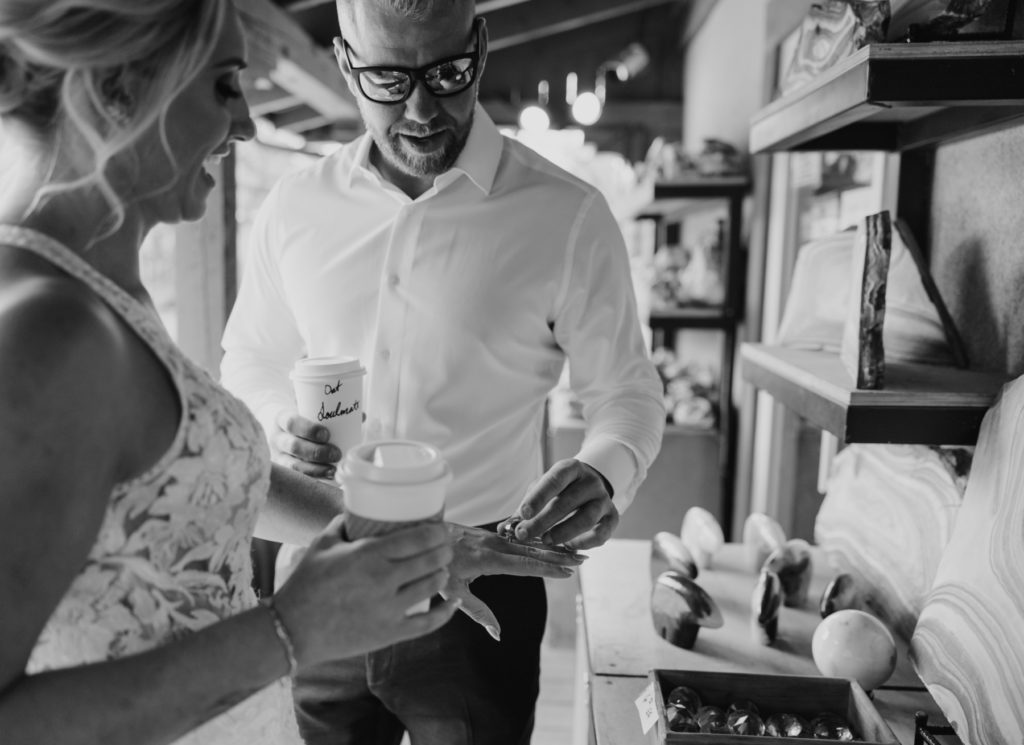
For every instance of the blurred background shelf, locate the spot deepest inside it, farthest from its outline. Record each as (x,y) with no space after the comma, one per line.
(920,404)
(701,187)
(897,97)
(693,317)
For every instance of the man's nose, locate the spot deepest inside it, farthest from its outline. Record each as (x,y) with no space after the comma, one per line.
(422,105)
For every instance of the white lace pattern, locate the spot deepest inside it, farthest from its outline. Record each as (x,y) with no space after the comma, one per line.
(172,554)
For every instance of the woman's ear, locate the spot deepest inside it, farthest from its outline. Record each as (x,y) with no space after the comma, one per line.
(118,101)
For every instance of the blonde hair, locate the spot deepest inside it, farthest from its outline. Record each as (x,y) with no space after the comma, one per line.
(106,70)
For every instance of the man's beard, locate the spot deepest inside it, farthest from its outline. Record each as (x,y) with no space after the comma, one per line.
(426,165)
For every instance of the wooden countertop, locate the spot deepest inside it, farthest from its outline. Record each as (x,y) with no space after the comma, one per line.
(622,646)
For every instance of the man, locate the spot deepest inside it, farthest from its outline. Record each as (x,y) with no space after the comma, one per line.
(462,269)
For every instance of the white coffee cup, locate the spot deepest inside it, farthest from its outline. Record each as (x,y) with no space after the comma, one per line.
(329,391)
(390,484)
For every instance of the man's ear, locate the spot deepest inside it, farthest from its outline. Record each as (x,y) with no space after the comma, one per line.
(346,69)
(483,46)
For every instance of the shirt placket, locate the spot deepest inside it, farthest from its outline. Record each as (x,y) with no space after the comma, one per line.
(389,345)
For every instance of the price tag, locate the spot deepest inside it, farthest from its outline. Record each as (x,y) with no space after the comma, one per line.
(648,711)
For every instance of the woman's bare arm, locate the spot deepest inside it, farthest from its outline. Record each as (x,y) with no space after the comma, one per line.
(69,433)
(298,507)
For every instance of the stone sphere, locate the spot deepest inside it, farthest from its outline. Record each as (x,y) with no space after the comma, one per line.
(854,645)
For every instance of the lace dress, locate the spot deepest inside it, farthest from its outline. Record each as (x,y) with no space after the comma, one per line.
(172,553)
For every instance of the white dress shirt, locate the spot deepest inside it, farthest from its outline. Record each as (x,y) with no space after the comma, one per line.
(463,304)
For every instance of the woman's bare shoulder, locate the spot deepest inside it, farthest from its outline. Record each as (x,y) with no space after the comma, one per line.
(61,348)
(49,319)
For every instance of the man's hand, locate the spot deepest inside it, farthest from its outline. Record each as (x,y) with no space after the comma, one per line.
(479,552)
(571,505)
(304,446)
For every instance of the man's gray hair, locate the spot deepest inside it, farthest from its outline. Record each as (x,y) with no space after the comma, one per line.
(414,10)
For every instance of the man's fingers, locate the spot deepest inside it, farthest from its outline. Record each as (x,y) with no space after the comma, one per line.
(314,452)
(580,521)
(313,470)
(557,478)
(561,504)
(598,535)
(305,439)
(291,421)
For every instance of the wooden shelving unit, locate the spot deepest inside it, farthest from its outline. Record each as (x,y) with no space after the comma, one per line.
(679,200)
(922,404)
(897,97)
(907,98)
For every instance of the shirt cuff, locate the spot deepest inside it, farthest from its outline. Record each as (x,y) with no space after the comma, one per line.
(615,462)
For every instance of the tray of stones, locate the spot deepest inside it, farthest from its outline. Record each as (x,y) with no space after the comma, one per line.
(716,708)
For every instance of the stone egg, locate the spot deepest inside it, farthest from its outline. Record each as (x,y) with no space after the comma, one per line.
(854,645)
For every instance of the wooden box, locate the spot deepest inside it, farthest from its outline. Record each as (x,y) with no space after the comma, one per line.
(805,696)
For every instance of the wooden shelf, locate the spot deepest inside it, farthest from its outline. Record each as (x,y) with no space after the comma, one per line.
(702,187)
(682,197)
(922,404)
(897,97)
(692,317)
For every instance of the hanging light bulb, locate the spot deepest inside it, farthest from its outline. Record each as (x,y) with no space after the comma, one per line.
(587,108)
(630,62)
(535,117)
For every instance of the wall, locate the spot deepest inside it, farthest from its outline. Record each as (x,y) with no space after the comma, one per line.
(977,251)
(722,74)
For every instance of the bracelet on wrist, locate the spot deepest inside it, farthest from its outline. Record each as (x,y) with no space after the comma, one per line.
(282,635)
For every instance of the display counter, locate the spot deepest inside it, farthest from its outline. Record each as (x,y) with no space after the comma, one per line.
(619,645)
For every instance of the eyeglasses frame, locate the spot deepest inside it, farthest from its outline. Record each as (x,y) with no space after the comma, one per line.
(416,74)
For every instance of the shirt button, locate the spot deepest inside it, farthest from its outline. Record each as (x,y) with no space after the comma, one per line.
(385,354)
(393,280)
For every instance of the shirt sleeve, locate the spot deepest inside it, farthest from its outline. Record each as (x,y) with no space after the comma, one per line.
(611,372)
(261,339)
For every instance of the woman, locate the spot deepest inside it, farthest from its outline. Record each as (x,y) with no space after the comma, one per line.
(129,481)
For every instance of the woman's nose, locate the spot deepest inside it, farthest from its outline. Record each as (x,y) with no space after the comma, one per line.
(243,127)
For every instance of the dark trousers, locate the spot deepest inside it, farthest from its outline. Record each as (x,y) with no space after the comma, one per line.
(456,686)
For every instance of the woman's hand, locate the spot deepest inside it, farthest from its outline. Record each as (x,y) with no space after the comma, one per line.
(347,598)
(479,552)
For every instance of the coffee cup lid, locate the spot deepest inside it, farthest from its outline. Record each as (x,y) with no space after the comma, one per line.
(395,462)
(315,367)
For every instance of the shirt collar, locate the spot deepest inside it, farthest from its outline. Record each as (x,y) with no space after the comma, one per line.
(478,160)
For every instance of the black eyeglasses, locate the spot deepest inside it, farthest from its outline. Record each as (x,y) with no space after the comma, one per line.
(393,85)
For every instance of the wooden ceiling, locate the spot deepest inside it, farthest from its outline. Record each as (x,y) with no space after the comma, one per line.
(295,84)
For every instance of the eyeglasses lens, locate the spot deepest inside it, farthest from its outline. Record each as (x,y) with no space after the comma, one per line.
(385,85)
(450,77)
(446,79)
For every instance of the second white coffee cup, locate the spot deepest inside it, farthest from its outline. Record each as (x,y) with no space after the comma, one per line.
(389,484)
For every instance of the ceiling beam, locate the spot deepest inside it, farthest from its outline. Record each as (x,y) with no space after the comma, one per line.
(514,27)
(482,6)
(263,102)
(282,52)
(299,120)
(489,6)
